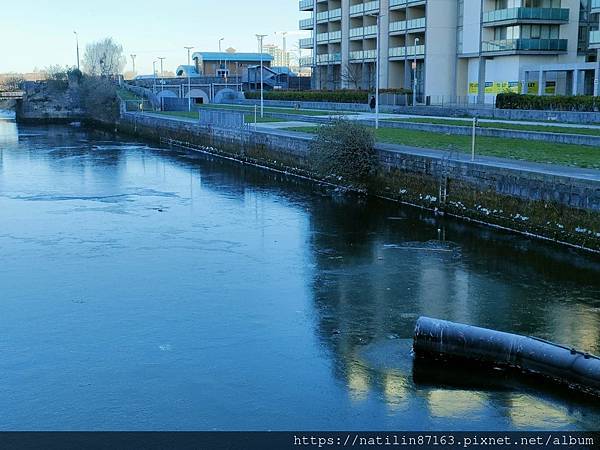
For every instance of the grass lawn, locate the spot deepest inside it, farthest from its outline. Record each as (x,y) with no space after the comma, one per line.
(563,154)
(249,118)
(503,125)
(127,95)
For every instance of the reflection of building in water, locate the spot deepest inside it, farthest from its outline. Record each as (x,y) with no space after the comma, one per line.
(374,276)
(575,325)
(532,413)
(455,404)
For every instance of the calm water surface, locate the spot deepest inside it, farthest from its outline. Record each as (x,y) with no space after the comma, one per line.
(143,288)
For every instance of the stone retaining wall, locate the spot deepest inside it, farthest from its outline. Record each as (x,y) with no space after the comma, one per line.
(559,208)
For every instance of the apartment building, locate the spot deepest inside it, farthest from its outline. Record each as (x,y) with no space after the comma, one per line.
(459,50)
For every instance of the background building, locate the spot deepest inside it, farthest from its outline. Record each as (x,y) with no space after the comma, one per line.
(227,64)
(460,50)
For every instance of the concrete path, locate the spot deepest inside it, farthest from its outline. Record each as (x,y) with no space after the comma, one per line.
(576,173)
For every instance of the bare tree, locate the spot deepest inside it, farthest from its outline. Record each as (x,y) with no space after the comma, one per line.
(11,82)
(352,75)
(104,58)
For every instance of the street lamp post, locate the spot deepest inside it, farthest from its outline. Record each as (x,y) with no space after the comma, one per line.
(189,79)
(220,59)
(377,65)
(154,76)
(77,43)
(415,73)
(260,38)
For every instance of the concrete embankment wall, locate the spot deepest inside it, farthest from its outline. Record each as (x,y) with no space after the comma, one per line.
(550,206)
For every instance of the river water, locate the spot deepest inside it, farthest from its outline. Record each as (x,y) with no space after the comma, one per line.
(146,288)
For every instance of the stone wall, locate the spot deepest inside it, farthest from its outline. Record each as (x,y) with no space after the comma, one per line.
(561,208)
(50,101)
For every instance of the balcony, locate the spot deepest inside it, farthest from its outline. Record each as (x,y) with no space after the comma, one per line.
(306,5)
(363,32)
(329,16)
(595,6)
(329,58)
(396,4)
(362,55)
(525,46)
(333,36)
(525,15)
(364,8)
(407,25)
(306,24)
(306,43)
(595,39)
(407,52)
(306,61)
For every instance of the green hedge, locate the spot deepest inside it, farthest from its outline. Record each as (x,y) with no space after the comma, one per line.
(547,102)
(340,96)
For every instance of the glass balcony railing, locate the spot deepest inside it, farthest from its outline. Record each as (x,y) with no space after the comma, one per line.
(596,5)
(595,38)
(329,58)
(363,31)
(306,61)
(365,8)
(306,42)
(538,45)
(306,24)
(541,14)
(394,3)
(360,55)
(408,52)
(405,25)
(305,4)
(331,36)
(325,16)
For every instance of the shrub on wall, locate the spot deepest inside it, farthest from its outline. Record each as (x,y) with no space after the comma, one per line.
(552,103)
(339,96)
(99,98)
(344,152)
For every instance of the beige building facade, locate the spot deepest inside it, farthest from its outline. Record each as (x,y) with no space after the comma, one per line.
(459,50)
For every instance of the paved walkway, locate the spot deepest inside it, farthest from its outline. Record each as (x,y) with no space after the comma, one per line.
(576,173)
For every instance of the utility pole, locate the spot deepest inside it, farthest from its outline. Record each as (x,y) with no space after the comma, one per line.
(260,38)
(154,76)
(189,79)
(285,55)
(77,43)
(133,61)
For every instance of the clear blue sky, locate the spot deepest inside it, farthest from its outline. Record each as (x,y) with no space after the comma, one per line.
(38,33)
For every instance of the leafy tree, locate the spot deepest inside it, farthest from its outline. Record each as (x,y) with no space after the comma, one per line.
(104,58)
(344,151)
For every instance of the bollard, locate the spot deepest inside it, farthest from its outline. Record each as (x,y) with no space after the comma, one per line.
(439,339)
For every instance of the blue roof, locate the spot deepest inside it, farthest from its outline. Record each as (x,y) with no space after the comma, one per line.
(183,71)
(224,56)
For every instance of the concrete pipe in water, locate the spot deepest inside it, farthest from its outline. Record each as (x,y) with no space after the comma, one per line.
(440,339)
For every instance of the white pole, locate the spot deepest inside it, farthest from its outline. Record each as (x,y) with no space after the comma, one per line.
(154,76)
(377,62)
(415,76)
(189,79)
(260,38)
(473,139)
(255,118)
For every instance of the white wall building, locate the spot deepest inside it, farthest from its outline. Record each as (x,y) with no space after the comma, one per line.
(465,50)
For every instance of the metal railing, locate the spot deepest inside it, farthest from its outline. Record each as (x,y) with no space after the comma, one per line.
(363,8)
(401,52)
(306,24)
(363,31)
(404,25)
(541,14)
(540,45)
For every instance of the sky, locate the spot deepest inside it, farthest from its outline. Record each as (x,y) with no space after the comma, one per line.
(39,33)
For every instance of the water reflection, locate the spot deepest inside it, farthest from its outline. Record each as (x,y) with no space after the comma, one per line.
(259,286)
